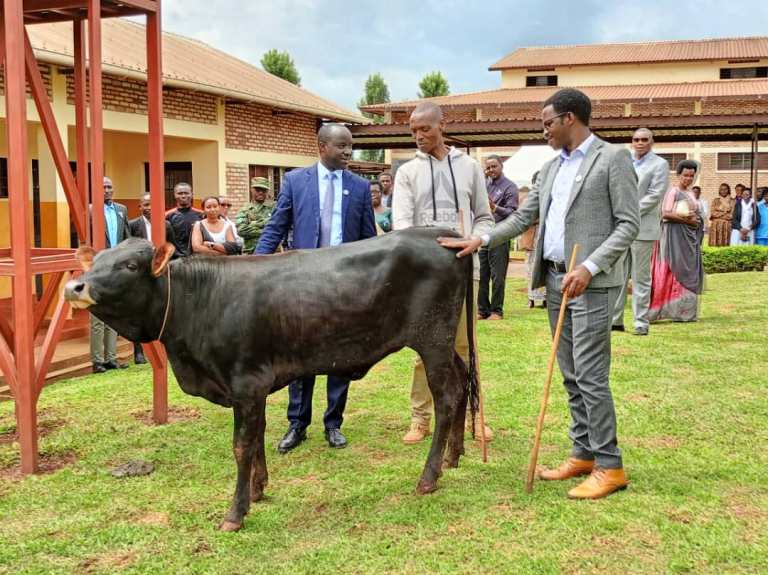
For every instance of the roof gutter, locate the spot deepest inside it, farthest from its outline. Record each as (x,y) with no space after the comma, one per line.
(59,59)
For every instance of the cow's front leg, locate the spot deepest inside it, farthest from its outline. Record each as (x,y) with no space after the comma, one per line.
(244,442)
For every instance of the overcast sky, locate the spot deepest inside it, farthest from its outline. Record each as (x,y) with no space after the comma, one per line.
(336,44)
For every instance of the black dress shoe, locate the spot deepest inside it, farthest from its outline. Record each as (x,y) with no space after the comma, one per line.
(335,438)
(99,368)
(617,328)
(114,365)
(291,439)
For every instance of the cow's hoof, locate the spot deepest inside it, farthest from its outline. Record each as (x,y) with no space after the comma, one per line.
(229,526)
(425,487)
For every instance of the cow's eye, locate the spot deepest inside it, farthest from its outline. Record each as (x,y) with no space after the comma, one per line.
(132,266)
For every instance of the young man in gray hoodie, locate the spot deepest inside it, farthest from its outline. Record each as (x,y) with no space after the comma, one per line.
(443,187)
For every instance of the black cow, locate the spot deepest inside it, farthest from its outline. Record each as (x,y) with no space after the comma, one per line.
(239,328)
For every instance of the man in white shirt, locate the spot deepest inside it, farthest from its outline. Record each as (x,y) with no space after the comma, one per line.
(586,196)
(652,183)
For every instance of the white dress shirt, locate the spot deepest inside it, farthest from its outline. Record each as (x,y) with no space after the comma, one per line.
(554,231)
(148,226)
(323,175)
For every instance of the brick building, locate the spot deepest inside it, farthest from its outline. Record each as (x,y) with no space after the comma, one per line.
(704,99)
(225,121)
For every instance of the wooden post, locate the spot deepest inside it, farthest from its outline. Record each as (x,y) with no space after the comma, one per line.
(18,203)
(156,187)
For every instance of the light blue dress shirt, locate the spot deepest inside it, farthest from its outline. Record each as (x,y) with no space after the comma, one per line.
(110,215)
(323,175)
(554,232)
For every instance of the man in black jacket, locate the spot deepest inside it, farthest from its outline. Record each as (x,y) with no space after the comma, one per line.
(182,218)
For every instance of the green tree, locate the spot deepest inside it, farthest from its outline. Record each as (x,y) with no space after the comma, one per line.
(432,85)
(281,64)
(376,92)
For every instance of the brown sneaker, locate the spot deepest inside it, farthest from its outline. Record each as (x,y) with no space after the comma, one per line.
(416,433)
(571,468)
(495,317)
(600,483)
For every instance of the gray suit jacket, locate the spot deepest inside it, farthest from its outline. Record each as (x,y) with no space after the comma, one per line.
(602,215)
(652,184)
(122,224)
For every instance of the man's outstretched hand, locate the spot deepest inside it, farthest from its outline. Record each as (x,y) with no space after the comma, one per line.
(467,246)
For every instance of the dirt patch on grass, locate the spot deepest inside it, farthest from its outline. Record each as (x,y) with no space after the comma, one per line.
(175,415)
(154,518)
(46,424)
(743,504)
(47,463)
(112,561)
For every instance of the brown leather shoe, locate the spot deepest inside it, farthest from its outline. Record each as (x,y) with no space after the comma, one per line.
(571,468)
(600,483)
(416,433)
(495,317)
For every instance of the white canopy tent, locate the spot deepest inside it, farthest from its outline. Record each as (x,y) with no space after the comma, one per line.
(525,162)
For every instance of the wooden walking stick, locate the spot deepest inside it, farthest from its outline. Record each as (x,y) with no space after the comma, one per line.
(548,383)
(480,410)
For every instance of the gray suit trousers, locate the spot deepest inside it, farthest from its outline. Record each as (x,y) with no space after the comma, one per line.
(584,356)
(638,267)
(103,342)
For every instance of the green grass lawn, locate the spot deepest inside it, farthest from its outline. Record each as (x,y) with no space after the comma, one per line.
(692,402)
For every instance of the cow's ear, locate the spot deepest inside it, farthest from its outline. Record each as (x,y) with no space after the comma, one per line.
(84,256)
(161,258)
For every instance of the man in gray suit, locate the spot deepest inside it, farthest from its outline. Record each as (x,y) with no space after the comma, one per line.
(652,183)
(588,196)
(103,337)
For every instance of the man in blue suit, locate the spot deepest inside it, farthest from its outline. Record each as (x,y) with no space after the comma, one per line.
(323,205)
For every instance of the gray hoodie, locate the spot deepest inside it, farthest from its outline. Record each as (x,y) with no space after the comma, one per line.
(427,189)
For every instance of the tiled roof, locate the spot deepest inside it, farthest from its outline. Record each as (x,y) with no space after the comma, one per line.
(626,93)
(636,52)
(186,63)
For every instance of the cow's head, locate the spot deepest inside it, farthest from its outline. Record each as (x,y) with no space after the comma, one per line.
(124,287)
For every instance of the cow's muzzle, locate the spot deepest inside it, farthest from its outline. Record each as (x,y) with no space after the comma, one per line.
(76,292)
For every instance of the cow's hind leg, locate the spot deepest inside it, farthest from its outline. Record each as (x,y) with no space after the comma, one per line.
(247,433)
(259,475)
(455,448)
(443,376)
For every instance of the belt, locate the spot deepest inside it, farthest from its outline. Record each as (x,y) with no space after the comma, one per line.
(559,267)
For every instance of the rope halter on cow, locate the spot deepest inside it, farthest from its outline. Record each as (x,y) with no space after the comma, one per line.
(167,303)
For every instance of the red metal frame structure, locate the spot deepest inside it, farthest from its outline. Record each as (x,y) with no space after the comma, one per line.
(25,373)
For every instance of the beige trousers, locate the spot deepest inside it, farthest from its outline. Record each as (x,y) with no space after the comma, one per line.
(421,398)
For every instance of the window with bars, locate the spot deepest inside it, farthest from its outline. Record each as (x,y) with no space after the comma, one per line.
(740,161)
(743,73)
(3,177)
(674,159)
(535,81)
(174,173)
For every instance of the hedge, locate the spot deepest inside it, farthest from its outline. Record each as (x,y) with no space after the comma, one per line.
(734,259)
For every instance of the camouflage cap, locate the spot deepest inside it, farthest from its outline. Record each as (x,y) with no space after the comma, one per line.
(260,182)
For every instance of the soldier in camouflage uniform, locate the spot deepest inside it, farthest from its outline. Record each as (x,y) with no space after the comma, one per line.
(251,219)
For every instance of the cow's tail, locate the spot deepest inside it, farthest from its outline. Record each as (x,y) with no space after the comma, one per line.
(472,375)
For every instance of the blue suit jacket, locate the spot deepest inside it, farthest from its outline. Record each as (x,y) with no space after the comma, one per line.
(298,208)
